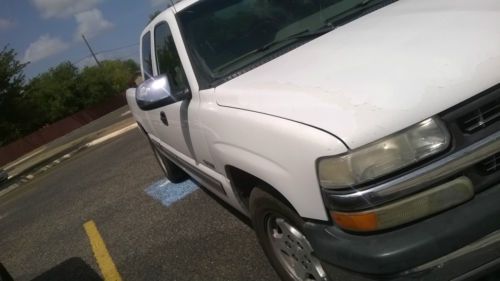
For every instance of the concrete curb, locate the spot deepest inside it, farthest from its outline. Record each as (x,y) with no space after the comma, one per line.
(51,162)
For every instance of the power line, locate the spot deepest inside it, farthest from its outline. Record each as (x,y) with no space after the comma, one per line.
(118,48)
(114,56)
(106,51)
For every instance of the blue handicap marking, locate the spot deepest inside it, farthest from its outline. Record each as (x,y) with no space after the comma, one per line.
(168,193)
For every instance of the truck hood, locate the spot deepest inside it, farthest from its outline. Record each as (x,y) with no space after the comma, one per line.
(380,73)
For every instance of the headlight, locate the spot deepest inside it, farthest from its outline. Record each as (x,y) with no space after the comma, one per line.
(384,156)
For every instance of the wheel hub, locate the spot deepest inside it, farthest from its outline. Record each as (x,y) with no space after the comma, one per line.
(294,251)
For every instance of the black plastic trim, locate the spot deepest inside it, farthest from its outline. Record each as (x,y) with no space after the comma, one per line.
(453,115)
(408,246)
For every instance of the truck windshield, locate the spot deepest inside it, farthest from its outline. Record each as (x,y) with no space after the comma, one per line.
(227,35)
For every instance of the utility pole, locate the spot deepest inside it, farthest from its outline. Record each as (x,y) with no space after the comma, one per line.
(91,51)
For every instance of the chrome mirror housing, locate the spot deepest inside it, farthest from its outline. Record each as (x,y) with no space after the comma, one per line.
(156,92)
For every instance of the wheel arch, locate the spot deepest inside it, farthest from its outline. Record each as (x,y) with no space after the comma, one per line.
(243,183)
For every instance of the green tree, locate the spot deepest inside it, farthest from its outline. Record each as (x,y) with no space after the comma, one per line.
(113,77)
(55,93)
(11,92)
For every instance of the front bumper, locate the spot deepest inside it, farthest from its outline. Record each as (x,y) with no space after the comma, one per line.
(486,272)
(454,244)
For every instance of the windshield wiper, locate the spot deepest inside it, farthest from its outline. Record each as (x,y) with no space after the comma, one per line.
(329,26)
(299,36)
(356,9)
(305,34)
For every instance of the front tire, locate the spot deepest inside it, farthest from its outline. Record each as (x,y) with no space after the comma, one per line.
(172,172)
(279,230)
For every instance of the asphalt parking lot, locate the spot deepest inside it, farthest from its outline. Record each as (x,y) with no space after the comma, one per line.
(147,234)
(109,214)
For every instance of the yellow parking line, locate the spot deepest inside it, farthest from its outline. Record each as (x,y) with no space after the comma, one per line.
(106,264)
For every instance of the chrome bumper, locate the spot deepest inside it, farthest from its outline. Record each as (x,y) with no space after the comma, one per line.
(417,180)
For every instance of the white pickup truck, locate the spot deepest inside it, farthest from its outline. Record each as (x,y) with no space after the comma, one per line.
(362,138)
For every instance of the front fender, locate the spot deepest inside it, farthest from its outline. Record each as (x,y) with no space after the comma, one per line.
(281,152)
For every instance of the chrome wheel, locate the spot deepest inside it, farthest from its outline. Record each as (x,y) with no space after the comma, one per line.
(294,251)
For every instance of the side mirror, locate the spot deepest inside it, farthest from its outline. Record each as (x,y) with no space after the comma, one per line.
(156,92)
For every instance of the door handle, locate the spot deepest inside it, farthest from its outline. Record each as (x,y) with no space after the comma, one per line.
(163,118)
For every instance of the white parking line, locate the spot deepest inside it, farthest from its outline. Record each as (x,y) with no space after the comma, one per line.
(102,139)
(112,135)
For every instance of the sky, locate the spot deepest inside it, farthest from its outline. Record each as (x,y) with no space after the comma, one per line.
(48,32)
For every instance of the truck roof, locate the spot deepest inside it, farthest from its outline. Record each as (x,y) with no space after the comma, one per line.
(180,5)
(177,7)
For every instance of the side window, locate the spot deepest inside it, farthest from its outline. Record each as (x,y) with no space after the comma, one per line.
(147,63)
(167,58)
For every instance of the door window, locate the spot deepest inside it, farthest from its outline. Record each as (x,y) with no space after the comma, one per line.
(147,65)
(167,58)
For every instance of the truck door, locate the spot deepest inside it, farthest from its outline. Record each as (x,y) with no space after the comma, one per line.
(170,123)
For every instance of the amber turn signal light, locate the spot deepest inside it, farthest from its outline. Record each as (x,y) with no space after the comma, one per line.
(409,209)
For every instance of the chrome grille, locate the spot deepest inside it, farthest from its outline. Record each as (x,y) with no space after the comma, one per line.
(490,165)
(481,117)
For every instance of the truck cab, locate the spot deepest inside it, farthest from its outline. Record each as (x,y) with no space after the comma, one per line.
(362,138)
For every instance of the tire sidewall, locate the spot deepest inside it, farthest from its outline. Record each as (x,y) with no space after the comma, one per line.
(161,160)
(172,172)
(263,205)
